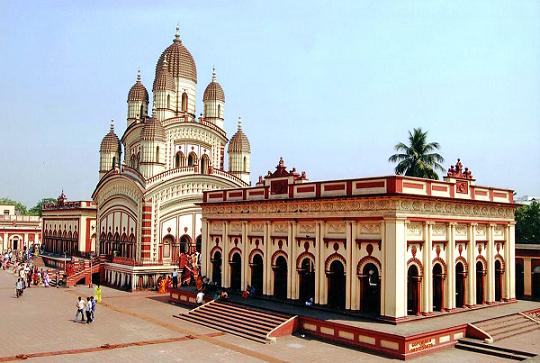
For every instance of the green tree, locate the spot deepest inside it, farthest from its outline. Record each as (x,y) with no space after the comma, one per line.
(38,208)
(528,223)
(19,207)
(418,157)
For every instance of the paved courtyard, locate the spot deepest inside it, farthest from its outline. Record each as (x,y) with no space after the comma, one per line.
(139,327)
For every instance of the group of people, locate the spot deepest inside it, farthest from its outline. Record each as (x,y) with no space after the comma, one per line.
(86,308)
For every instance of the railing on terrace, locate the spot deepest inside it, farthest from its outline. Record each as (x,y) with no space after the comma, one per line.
(125,261)
(200,122)
(190,170)
(69,205)
(12,218)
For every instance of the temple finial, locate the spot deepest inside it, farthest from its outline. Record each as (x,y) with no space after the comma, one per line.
(239,123)
(177,34)
(138,75)
(213,73)
(112,125)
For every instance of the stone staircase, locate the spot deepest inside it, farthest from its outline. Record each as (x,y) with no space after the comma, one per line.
(508,326)
(260,326)
(477,346)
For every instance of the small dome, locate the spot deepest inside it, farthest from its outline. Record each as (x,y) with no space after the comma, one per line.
(239,142)
(138,91)
(110,143)
(214,91)
(180,62)
(153,130)
(164,80)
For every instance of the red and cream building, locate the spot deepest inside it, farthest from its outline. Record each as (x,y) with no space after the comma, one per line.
(528,271)
(390,246)
(16,231)
(69,227)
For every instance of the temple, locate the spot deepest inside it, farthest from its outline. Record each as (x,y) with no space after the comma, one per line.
(390,246)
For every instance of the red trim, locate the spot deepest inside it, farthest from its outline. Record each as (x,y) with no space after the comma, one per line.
(500,195)
(332,187)
(308,189)
(215,195)
(438,188)
(235,194)
(413,185)
(362,185)
(256,192)
(480,192)
(349,188)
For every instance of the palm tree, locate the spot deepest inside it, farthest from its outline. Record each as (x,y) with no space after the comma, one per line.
(417,159)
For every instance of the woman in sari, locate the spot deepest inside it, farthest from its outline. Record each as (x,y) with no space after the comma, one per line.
(98,293)
(46,278)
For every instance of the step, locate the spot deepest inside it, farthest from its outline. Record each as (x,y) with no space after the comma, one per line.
(491,351)
(248,314)
(259,313)
(488,324)
(220,315)
(257,338)
(513,333)
(479,343)
(237,324)
(510,327)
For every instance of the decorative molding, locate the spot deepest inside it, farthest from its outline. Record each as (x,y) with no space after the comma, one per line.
(364,261)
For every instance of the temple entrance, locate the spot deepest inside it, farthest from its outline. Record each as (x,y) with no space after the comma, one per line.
(257,274)
(185,241)
(198,244)
(438,287)
(479,282)
(307,280)
(280,278)
(460,285)
(370,290)
(236,272)
(536,283)
(520,281)
(336,285)
(498,281)
(413,291)
(15,244)
(216,268)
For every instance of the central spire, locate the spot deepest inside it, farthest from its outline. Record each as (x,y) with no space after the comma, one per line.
(239,123)
(177,34)
(138,75)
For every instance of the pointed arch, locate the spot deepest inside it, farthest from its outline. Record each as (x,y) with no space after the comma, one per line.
(192,159)
(364,261)
(184,102)
(333,257)
(303,256)
(179,160)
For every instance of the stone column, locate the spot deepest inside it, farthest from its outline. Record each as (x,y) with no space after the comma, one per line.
(355,293)
(348,260)
(291,266)
(491,265)
(205,251)
(25,241)
(289,270)
(450,267)
(506,256)
(246,270)
(427,279)
(511,262)
(225,267)
(527,277)
(471,275)
(394,269)
(319,270)
(267,260)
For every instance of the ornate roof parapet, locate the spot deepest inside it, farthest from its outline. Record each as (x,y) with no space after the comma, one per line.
(457,172)
(282,177)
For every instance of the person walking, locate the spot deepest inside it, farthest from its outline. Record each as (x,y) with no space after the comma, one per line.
(93,301)
(46,278)
(19,287)
(175,279)
(98,293)
(80,308)
(88,308)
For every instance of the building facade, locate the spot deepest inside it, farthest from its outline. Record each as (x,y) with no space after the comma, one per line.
(18,232)
(152,178)
(528,271)
(388,246)
(69,228)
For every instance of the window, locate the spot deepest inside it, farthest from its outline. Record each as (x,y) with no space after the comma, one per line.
(113,161)
(168,101)
(218,110)
(141,112)
(6,212)
(157,154)
(245,165)
(184,101)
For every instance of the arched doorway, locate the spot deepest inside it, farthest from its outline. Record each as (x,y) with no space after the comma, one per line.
(198,243)
(216,268)
(536,283)
(205,164)
(192,159)
(520,281)
(336,285)
(370,290)
(460,285)
(307,280)
(257,274)
(236,272)
(179,159)
(280,278)
(480,282)
(498,281)
(413,290)
(185,242)
(438,287)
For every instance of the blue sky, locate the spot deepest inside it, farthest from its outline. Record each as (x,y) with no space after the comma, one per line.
(330,86)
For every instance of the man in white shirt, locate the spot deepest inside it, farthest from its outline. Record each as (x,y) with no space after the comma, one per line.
(80,309)
(200,298)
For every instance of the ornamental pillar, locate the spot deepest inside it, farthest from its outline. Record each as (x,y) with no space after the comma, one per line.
(394,269)
(348,260)
(491,265)
(246,275)
(471,275)
(507,271)
(267,259)
(226,267)
(204,247)
(427,291)
(290,237)
(355,281)
(291,265)
(511,262)
(450,267)
(319,267)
